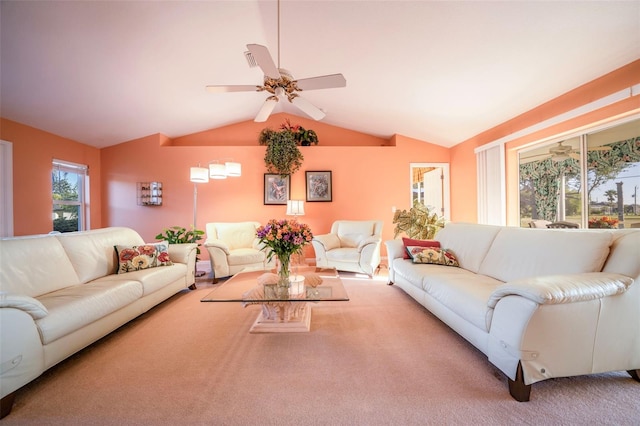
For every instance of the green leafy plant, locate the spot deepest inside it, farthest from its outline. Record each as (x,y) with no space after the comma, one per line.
(419,222)
(282,156)
(180,235)
(301,135)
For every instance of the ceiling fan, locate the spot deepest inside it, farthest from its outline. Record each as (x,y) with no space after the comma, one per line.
(561,153)
(280,83)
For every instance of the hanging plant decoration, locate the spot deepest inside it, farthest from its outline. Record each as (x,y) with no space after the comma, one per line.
(283,156)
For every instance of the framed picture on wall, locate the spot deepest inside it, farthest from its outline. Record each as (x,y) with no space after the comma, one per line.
(276,188)
(318,186)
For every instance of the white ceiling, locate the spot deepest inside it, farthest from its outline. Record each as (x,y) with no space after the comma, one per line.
(106,72)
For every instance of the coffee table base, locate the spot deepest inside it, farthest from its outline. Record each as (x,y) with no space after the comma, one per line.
(283,318)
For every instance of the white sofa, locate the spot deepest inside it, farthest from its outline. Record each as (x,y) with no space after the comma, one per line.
(351,245)
(540,303)
(60,293)
(233,247)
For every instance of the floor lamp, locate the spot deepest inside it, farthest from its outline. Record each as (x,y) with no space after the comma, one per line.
(197,175)
(216,170)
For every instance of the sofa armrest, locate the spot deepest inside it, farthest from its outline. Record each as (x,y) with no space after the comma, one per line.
(328,241)
(180,253)
(556,289)
(395,249)
(218,244)
(367,241)
(24,303)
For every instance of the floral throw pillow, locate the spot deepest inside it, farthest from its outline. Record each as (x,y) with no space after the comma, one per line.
(433,255)
(408,242)
(145,256)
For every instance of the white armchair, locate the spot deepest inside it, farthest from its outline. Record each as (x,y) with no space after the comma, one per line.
(350,246)
(234,246)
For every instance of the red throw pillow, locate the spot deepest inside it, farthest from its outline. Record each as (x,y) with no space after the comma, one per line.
(419,243)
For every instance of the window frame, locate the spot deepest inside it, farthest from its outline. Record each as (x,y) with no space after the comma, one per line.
(582,134)
(82,170)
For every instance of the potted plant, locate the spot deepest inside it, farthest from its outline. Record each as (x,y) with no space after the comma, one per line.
(282,155)
(419,222)
(180,235)
(301,135)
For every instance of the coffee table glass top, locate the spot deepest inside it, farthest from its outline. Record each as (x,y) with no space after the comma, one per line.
(244,287)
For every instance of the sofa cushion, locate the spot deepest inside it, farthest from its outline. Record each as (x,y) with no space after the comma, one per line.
(234,234)
(624,256)
(463,292)
(524,252)
(35,265)
(470,242)
(417,243)
(144,256)
(152,279)
(245,256)
(92,253)
(74,307)
(433,255)
(344,254)
(352,232)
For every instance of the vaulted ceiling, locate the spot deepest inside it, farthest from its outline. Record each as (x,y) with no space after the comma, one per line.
(103,72)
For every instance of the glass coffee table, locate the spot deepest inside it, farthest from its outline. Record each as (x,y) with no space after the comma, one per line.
(281,312)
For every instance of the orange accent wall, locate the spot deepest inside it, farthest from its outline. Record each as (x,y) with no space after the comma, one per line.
(33,153)
(367,179)
(246,134)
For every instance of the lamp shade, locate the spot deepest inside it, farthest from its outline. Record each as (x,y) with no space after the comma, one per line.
(199,175)
(295,207)
(233,168)
(217,171)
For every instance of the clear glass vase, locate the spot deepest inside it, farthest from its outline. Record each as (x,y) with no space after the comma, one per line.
(283,266)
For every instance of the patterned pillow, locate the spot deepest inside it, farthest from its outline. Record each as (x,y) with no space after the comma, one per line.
(421,243)
(433,255)
(136,258)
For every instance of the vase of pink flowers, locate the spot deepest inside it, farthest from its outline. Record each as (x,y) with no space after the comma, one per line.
(284,237)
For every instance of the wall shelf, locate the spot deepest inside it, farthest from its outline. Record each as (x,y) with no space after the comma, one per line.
(149,193)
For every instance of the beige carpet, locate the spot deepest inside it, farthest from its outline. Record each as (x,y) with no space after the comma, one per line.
(378,359)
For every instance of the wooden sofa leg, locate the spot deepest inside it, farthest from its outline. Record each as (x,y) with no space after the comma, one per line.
(518,390)
(635,374)
(193,286)
(6,404)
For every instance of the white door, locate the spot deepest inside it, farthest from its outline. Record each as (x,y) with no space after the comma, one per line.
(430,186)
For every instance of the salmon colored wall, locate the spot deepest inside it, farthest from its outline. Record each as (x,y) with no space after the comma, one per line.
(367,180)
(463,173)
(246,134)
(33,153)
(370,174)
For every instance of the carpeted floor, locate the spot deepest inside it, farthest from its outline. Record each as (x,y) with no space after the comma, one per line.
(379,359)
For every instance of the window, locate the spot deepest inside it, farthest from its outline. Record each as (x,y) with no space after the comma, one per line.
(590,179)
(69,182)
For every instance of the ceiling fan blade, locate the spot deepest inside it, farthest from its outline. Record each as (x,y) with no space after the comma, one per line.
(600,148)
(267,108)
(575,156)
(308,108)
(322,82)
(264,60)
(239,88)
